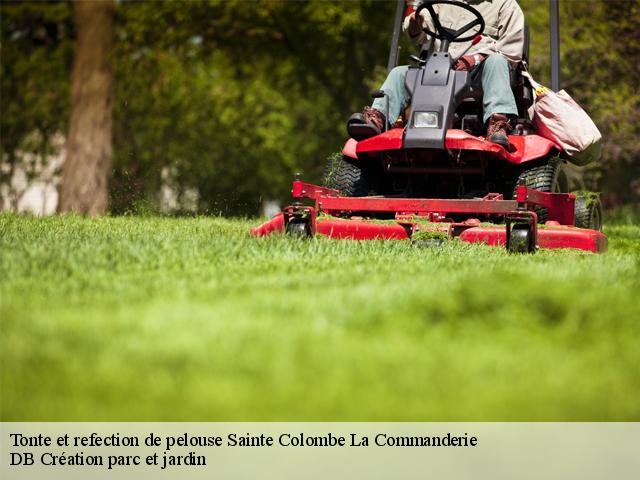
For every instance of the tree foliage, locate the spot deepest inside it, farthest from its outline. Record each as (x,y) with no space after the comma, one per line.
(600,68)
(35,61)
(231,98)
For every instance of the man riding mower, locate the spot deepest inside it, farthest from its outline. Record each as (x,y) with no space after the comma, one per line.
(464,161)
(490,61)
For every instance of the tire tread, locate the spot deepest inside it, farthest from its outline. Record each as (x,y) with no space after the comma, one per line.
(341,174)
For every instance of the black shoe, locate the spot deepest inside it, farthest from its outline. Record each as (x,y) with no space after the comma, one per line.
(367,124)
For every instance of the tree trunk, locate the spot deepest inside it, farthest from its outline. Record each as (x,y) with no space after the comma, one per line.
(85,173)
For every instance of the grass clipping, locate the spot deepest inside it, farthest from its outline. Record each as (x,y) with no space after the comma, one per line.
(420,235)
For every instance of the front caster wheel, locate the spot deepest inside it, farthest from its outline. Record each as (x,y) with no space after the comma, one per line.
(298,229)
(521,239)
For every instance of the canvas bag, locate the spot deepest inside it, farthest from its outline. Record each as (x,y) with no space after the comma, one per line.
(560,119)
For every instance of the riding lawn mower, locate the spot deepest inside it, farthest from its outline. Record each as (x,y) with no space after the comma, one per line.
(433,176)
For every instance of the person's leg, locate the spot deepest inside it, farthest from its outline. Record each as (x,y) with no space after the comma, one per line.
(371,122)
(397,92)
(496,85)
(498,102)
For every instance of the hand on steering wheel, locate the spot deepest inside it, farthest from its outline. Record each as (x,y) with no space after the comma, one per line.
(448,34)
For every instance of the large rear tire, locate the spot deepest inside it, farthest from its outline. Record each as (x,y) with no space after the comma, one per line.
(549,178)
(342,174)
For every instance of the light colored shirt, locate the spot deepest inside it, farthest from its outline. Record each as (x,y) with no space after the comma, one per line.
(503,33)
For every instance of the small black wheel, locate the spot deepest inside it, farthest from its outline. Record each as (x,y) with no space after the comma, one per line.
(588,211)
(340,173)
(520,240)
(298,229)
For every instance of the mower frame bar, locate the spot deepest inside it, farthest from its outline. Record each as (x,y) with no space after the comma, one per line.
(415,205)
(395,37)
(560,205)
(301,190)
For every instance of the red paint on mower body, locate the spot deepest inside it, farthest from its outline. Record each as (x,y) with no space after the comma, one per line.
(548,237)
(275,225)
(361,230)
(523,148)
(413,215)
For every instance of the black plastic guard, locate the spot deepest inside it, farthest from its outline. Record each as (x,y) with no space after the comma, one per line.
(436,87)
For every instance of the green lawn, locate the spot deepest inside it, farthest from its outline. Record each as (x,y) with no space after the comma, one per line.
(192,319)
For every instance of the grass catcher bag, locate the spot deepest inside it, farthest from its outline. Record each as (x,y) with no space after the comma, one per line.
(559,118)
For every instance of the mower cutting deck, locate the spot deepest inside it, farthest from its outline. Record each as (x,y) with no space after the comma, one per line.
(429,221)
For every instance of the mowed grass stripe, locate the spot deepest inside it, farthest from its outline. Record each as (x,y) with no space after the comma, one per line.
(145,318)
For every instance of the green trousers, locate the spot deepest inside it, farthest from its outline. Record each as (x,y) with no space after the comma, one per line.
(496,85)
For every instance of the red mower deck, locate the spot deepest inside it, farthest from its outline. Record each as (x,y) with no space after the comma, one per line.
(429,220)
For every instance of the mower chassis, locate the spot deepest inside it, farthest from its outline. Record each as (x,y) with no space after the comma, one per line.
(420,218)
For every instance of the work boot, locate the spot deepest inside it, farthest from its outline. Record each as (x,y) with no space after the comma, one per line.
(498,129)
(367,124)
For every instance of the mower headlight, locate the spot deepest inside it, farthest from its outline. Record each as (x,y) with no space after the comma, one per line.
(425,120)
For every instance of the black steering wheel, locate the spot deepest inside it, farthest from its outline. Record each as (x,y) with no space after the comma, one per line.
(448,34)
